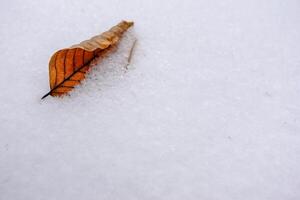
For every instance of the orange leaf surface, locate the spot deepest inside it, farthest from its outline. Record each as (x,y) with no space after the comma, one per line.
(68,67)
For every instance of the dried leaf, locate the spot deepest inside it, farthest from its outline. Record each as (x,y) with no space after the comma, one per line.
(68,67)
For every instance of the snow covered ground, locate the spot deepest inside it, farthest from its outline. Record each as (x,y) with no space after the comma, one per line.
(209,108)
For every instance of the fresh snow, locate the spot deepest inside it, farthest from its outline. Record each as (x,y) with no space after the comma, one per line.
(208,109)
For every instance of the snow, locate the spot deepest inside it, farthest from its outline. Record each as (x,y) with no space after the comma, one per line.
(208,109)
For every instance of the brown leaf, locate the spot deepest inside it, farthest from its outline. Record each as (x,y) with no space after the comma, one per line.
(68,67)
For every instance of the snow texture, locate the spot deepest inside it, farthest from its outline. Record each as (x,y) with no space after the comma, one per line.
(208,109)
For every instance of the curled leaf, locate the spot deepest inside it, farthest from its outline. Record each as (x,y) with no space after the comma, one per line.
(68,67)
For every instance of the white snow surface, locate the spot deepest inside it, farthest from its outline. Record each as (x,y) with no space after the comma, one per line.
(209,108)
